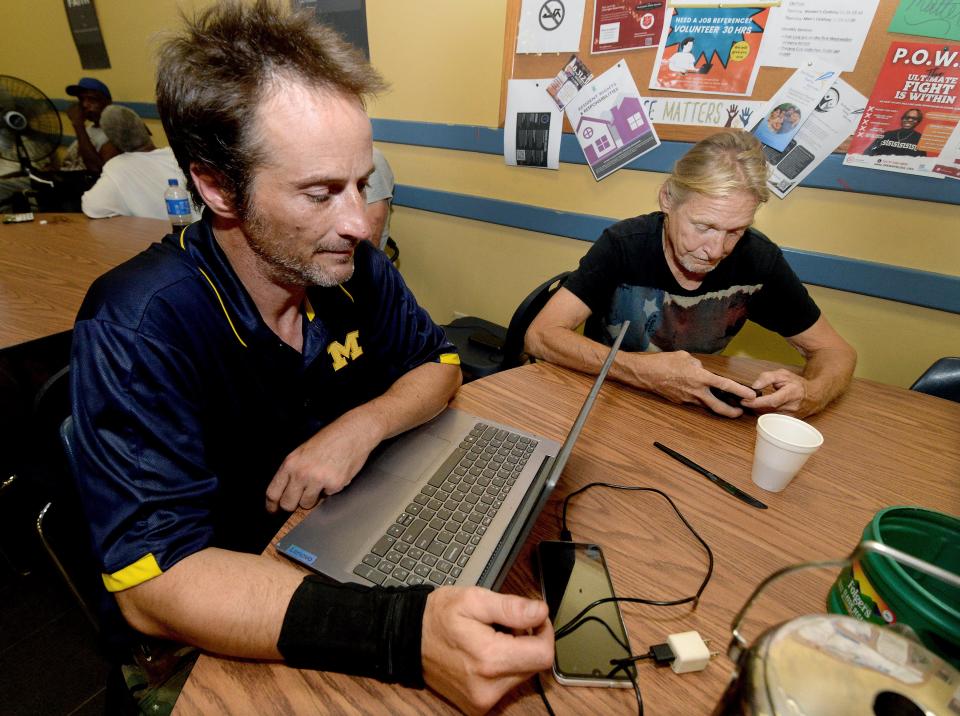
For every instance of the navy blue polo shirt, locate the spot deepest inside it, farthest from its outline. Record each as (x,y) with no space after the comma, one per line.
(185,403)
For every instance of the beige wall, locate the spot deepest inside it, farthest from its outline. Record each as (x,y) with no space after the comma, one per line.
(478,269)
(443,59)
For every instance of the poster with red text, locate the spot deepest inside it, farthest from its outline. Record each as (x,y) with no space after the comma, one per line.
(912,111)
(711,50)
(620,25)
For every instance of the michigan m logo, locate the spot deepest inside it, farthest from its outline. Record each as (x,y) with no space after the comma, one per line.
(341,353)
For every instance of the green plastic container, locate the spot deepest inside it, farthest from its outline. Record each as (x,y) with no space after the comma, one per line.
(879,590)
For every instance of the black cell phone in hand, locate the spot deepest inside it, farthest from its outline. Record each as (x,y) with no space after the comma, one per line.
(732,398)
(573,576)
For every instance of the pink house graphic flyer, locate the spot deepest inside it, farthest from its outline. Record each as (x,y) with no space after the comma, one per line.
(610,123)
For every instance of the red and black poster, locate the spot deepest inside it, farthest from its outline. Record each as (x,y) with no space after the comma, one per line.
(912,110)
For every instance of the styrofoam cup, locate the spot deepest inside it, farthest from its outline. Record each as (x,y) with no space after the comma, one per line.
(783,446)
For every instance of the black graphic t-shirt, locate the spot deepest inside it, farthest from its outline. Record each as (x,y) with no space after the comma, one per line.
(898,142)
(625,275)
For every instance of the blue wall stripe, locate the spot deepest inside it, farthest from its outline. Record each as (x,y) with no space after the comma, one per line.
(894,283)
(830,174)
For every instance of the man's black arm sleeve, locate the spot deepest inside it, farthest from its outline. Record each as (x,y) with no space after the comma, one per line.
(362,631)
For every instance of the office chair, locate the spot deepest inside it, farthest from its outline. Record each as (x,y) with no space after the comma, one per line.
(942,379)
(392,250)
(485,347)
(64,534)
(61,527)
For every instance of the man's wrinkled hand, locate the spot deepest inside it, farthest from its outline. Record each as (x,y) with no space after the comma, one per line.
(681,378)
(323,465)
(791,394)
(468,661)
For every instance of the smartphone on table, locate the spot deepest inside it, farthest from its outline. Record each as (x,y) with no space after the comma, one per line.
(572,576)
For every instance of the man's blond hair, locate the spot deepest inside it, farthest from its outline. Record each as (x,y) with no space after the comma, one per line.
(720,165)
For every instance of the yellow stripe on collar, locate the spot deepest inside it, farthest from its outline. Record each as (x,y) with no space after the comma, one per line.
(222,306)
(143,570)
(347,292)
(308,309)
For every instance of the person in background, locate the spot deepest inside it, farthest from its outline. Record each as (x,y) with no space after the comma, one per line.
(379,199)
(92,148)
(132,183)
(688,277)
(80,164)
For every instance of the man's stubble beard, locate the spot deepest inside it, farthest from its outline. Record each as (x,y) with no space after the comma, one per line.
(281,266)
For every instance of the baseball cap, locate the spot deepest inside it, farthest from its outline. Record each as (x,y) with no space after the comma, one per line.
(89,83)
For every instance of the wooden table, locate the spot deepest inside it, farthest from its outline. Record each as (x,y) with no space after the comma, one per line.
(46,268)
(883,446)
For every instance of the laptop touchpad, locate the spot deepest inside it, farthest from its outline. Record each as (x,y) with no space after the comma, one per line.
(410,457)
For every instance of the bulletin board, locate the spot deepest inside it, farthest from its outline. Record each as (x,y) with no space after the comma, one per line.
(640,63)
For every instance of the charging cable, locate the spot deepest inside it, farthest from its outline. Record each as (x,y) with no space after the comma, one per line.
(685,652)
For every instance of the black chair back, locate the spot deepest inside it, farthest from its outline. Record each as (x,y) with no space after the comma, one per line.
(513,354)
(942,379)
(61,524)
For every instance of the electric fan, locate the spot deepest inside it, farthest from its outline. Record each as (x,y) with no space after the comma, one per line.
(30,127)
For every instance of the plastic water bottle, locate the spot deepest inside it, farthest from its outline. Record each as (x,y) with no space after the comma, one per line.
(178,206)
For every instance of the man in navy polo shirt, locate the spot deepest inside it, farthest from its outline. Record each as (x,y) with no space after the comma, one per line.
(249,364)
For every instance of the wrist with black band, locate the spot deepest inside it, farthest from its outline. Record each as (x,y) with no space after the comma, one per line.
(350,629)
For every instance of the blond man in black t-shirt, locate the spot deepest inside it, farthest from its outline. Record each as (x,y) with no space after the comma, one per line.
(688,278)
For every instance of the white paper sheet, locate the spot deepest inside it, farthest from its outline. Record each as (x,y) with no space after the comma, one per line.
(550,26)
(832,121)
(948,163)
(533,126)
(832,30)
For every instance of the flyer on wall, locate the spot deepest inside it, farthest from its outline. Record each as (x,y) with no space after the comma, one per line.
(938,18)
(948,163)
(610,123)
(912,111)
(532,126)
(831,121)
(619,26)
(793,103)
(569,80)
(710,50)
(831,30)
(549,26)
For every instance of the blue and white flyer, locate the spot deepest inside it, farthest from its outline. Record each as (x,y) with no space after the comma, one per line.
(793,103)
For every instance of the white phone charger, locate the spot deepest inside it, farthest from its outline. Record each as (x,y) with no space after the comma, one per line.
(690,652)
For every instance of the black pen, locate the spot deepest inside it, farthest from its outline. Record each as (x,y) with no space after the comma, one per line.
(715,479)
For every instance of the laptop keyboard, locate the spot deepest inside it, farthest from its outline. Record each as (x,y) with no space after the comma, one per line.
(435,536)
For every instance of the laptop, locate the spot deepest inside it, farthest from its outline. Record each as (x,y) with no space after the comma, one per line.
(449,502)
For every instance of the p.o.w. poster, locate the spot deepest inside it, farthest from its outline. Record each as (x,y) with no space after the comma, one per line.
(912,111)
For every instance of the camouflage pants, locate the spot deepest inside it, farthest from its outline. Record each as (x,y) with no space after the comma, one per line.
(157,676)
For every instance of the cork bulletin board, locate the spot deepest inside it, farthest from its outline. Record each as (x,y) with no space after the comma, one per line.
(640,63)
